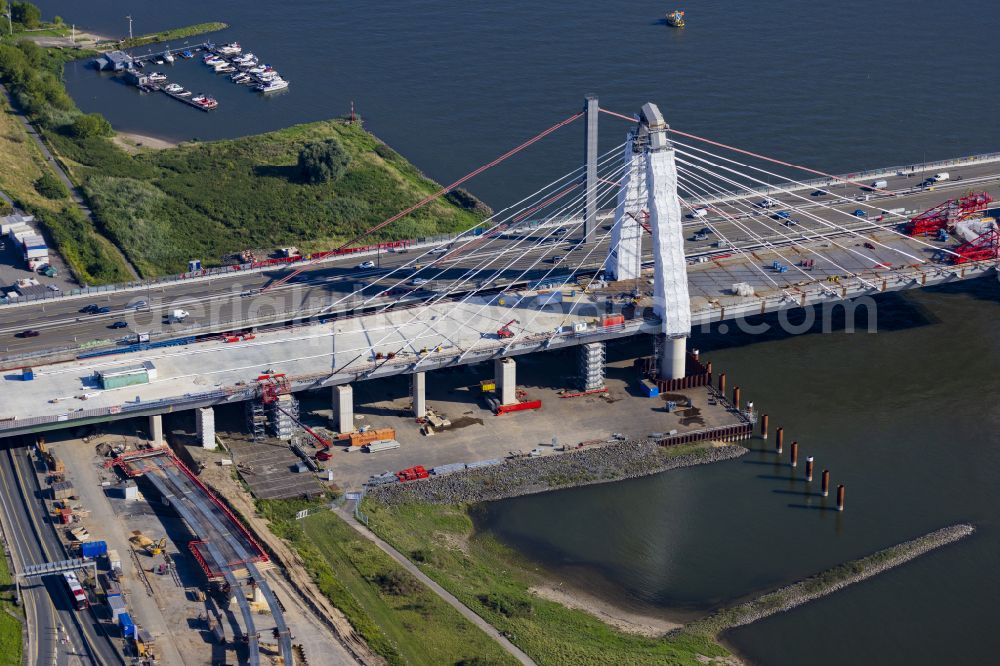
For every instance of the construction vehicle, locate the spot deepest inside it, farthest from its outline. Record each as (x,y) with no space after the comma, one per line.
(143,542)
(144,645)
(154,549)
(504,331)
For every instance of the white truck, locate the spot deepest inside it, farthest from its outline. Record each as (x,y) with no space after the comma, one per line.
(176,316)
(879,185)
(938,177)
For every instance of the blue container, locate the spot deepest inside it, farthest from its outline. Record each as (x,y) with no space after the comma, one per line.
(27,374)
(93,549)
(127,626)
(650,389)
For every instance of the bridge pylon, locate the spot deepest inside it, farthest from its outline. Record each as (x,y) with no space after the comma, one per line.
(648,196)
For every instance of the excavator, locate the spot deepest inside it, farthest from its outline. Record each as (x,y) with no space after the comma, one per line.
(152,548)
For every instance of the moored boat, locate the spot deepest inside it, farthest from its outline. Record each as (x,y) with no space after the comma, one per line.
(273,85)
(676,19)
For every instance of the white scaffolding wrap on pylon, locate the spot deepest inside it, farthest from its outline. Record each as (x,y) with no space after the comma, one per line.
(624,260)
(670,286)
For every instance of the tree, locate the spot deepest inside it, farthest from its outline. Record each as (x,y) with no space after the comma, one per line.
(26,14)
(323,161)
(91,124)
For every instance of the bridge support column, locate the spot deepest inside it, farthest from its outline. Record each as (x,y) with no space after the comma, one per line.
(204,418)
(156,430)
(418,387)
(624,261)
(592,364)
(343,407)
(671,300)
(591,111)
(673,358)
(505,376)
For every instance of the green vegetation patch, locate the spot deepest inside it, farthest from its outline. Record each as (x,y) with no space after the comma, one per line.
(495,582)
(312,186)
(397,615)
(174,34)
(10,625)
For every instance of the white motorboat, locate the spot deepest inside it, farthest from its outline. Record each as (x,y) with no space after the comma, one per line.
(173,88)
(273,85)
(168,56)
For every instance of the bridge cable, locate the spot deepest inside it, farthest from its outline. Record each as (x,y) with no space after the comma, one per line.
(431,197)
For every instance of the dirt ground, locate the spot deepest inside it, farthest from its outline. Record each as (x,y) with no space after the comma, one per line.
(476,434)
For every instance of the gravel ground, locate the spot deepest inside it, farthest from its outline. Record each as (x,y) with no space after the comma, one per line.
(600,464)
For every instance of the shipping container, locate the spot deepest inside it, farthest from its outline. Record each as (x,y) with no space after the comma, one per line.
(117,605)
(93,549)
(126,624)
(649,389)
(121,377)
(373,435)
(613,320)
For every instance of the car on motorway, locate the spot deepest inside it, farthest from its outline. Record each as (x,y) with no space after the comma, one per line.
(698,212)
(782,215)
(818,193)
(104,310)
(118,324)
(860,213)
(366,264)
(416,282)
(90,309)
(53,287)
(439,250)
(869,246)
(138,305)
(29,333)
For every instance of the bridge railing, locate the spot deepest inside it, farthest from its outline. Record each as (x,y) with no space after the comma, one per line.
(246,268)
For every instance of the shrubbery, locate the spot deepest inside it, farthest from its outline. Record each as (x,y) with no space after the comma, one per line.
(50,187)
(90,125)
(323,161)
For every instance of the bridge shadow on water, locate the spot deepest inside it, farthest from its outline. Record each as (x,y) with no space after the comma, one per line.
(891,312)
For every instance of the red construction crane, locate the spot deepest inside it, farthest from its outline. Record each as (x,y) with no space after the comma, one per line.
(271,386)
(504,331)
(985,246)
(951,211)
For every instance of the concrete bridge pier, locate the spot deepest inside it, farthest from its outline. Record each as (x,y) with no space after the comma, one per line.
(673,358)
(343,408)
(204,418)
(156,430)
(505,376)
(418,391)
(592,366)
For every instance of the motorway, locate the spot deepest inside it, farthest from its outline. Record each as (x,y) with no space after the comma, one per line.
(57,634)
(232,302)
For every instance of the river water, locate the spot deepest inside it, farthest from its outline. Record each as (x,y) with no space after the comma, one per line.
(906,417)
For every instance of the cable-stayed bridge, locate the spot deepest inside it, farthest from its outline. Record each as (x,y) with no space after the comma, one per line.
(661,233)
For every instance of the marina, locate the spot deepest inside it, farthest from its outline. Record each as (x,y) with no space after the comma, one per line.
(242,68)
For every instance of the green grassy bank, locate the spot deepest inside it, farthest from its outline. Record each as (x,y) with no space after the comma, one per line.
(495,582)
(396,614)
